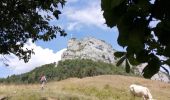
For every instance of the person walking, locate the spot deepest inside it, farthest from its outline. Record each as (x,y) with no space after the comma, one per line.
(43,80)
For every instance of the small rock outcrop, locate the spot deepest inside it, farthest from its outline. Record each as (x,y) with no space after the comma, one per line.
(89,48)
(160,76)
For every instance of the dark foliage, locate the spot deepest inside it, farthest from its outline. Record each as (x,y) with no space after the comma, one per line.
(21,20)
(144,43)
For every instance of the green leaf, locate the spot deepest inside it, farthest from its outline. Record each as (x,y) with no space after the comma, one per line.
(124,27)
(120,61)
(111,15)
(106,4)
(119,54)
(142,56)
(135,41)
(56,13)
(115,3)
(152,67)
(146,72)
(162,31)
(127,66)
(133,61)
(110,19)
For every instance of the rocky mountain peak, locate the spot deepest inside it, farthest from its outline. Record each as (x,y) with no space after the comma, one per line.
(89,48)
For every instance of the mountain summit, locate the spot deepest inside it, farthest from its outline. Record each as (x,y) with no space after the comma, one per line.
(89,48)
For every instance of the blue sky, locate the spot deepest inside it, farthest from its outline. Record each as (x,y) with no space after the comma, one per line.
(82,18)
(79,18)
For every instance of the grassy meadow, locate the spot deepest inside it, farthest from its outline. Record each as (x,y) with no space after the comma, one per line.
(103,87)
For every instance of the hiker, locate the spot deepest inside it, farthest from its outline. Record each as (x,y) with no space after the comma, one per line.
(43,80)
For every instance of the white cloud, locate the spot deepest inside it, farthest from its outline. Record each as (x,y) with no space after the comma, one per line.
(73,26)
(71,1)
(42,56)
(152,1)
(89,15)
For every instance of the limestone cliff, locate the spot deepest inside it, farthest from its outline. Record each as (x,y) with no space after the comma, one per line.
(89,48)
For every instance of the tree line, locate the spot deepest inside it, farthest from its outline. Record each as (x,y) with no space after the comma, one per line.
(66,69)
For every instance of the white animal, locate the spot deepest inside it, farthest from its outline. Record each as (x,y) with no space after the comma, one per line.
(140,91)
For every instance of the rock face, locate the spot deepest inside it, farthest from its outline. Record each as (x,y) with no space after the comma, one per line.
(161,76)
(89,48)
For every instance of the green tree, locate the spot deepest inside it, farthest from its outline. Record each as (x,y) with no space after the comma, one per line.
(144,43)
(21,20)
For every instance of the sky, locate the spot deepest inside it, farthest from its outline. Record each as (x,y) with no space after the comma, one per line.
(79,18)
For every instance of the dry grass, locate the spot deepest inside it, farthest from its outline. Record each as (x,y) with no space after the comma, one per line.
(105,87)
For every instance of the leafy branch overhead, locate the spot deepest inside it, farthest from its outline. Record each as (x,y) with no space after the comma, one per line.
(144,42)
(21,20)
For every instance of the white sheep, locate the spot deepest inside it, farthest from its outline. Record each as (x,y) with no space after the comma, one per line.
(140,91)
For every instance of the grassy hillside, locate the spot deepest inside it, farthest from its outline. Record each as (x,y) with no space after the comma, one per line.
(104,87)
(66,69)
